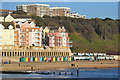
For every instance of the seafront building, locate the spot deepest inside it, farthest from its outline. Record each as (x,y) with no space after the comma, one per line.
(7,35)
(27,34)
(23,38)
(45,9)
(8,17)
(34,9)
(60,11)
(59,38)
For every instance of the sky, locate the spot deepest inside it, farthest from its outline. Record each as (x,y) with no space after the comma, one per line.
(90,9)
(60,0)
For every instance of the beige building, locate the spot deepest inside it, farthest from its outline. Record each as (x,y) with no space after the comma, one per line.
(44,9)
(59,11)
(6,35)
(35,9)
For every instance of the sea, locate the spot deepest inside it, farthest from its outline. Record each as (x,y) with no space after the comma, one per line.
(68,74)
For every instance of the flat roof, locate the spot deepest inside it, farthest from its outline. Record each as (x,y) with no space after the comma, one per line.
(34,4)
(59,8)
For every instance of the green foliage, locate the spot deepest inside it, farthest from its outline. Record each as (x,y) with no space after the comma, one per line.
(88,35)
(20,12)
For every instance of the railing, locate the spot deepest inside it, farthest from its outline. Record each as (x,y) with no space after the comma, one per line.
(22,32)
(23,41)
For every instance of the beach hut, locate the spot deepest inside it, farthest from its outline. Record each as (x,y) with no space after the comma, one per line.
(45,58)
(36,59)
(72,59)
(41,59)
(49,58)
(31,59)
(21,59)
(69,59)
(62,58)
(53,58)
(58,58)
(66,59)
(26,59)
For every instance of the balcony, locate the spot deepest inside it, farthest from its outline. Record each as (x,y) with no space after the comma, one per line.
(70,46)
(37,41)
(69,41)
(23,41)
(37,36)
(37,32)
(22,32)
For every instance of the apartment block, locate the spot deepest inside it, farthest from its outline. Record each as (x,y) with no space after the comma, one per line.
(59,11)
(59,38)
(34,9)
(28,34)
(44,9)
(6,35)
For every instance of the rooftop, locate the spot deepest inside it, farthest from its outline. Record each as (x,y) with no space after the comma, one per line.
(34,4)
(59,8)
(7,24)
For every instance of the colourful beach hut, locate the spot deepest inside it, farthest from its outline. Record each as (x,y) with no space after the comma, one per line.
(49,59)
(41,59)
(36,59)
(66,58)
(26,59)
(72,59)
(58,58)
(45,58)
(21,59)
(63,58)
(31,59)
(53,58)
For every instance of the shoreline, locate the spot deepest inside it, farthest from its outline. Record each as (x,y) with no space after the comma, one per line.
(37,66)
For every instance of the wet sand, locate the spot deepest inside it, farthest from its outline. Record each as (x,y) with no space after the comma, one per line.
(26,66)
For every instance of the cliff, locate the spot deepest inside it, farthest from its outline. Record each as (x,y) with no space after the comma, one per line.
(88,35)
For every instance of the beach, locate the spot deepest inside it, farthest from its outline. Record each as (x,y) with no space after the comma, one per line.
(27,66)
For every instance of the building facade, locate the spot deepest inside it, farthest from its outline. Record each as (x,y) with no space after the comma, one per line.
(59,38)
(28,34)
(35,9)
(44,9)
(6,36)
(60,11)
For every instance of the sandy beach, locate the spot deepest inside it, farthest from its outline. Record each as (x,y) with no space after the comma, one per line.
(26,66)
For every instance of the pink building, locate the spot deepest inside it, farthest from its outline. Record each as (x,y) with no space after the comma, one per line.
(29,34)
(59,38)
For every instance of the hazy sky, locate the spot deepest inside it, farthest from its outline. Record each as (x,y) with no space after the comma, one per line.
(90,9)
(60,0)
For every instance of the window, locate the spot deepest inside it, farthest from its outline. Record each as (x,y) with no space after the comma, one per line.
(26,29)
(32,30)
(10,36)
(0,43)
(0,47)
(5,47)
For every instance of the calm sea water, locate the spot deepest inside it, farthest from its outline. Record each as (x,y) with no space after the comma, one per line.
(83,73)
